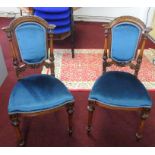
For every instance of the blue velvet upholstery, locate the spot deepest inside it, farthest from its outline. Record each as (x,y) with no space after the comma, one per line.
(31,39)
(38,93)
(125,37)
(59,16)
(120,89)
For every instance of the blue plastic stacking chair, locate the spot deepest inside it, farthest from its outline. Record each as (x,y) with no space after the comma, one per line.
(62,17)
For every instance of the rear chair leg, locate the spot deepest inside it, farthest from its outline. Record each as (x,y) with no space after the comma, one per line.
(16,123)
(144,115)
(91,108)
(70,111)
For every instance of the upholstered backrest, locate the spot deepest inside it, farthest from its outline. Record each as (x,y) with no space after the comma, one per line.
(124,41)
(31,40)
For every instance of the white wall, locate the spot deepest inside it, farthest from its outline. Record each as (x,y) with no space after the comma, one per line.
(3,69)
(99,14)
(109,13)
(150,16)
(9,11)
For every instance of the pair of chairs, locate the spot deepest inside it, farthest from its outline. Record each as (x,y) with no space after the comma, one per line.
(61,17)
(40,94)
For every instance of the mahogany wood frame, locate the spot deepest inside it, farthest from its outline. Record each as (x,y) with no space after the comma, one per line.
(21,66)
(59,36)
(135,65)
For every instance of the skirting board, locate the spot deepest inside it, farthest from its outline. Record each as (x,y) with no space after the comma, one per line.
(93,18)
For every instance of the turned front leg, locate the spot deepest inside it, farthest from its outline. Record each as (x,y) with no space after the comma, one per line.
(16,123)
(144,115)
(91,108)
(70,111)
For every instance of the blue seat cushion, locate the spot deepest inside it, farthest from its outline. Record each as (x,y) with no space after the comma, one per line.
(60,30)
(120,89)
(37,93)
(52,9)
(52,16)
(62,22)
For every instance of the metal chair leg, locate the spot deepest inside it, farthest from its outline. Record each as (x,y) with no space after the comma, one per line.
(72,44)
(72,33)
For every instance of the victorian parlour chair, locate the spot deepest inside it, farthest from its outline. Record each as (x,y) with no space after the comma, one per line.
(118,90)
(61,17)
(35,94)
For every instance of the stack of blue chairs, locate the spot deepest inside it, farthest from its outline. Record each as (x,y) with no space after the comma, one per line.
(59,16)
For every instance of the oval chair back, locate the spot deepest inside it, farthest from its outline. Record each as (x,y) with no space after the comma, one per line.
(123,37)
(30,40)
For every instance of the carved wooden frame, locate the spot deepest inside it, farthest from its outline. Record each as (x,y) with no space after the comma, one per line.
(18,64)
(136,66)
(107,44)
(21,66)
